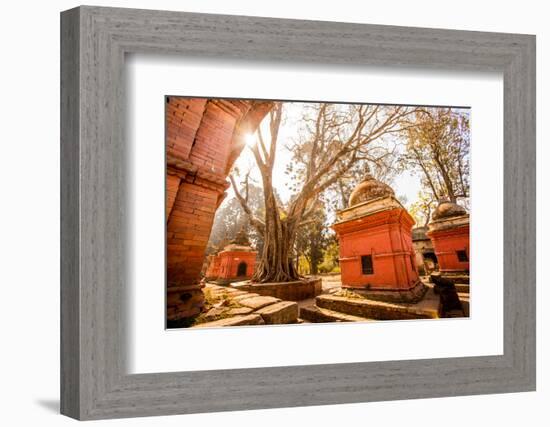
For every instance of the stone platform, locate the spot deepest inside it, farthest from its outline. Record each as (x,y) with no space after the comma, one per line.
(290,291)
(233,306)
(457,278)
(462,288)
(347,306)
(227,306)
(412,295)
(380,310)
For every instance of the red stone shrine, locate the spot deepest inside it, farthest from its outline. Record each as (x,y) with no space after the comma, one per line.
(449,231)
(234,263)
(376,250)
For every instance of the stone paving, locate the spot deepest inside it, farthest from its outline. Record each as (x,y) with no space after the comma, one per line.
(380,310)
(341,305)
(231,307)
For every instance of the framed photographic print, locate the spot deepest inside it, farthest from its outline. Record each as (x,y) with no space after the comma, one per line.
(286,213)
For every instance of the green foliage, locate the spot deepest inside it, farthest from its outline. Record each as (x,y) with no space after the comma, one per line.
(311,239)
(330,257)
(303,265)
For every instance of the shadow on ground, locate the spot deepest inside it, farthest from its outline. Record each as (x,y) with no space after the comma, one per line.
(51,405)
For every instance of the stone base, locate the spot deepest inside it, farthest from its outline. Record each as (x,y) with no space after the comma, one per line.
(183,304)
(411,295)
(280,313)
(379,310)
(463,288)
(223,282)
(289,291)
(458,277)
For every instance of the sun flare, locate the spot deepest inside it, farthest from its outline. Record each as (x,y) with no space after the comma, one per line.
(250,139)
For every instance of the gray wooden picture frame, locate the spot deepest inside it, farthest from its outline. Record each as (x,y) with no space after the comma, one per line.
(94,41)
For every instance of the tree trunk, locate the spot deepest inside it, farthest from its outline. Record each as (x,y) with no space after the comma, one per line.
(323,167)
(276,263)
(313,267)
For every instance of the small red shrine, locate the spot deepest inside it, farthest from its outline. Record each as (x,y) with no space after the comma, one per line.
(213,269)
(235,262)
(376,249)
(449,231)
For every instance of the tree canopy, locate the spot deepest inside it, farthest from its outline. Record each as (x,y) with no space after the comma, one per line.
(333,148)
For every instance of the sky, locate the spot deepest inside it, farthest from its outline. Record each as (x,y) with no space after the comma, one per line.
(404,184)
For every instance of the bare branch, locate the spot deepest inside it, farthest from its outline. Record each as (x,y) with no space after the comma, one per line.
(262,144)
(256,223)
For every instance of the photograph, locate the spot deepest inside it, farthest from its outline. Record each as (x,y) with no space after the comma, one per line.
(299,212)
(259,213)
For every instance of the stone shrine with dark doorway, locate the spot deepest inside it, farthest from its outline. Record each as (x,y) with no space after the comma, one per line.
(426,261)
(236,261)
(377,257)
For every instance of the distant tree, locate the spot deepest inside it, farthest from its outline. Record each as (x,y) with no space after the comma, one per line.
(312,238)
(230,219)
(331,255)
(438,146)
(421,209)
(402,199)
(380,164)
(333,139)
(226,224)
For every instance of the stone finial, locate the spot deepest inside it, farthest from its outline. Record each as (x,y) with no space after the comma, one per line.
(368,189)
(241,238)
(448,209)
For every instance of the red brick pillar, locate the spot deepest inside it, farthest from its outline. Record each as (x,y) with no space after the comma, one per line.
(203,138)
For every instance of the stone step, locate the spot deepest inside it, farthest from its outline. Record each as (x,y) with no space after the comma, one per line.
(288,291)
(316,314)
(463,288)
(256,302)
(457,278)
(280,313)
(379,310)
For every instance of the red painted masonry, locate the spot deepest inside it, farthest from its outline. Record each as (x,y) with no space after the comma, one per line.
(385,236)
(449,231)
(229,264)
(374,233)
(447,243)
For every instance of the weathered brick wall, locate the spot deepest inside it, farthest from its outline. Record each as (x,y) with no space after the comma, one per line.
(203,138)
(188,229)
(172,187)
(183,118)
